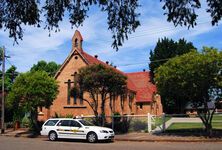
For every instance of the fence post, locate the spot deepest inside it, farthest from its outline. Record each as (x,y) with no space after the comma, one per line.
(112,121)
(149,123)
(164,122)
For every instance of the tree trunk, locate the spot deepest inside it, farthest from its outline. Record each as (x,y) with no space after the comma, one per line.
(103,120)
(208,129)
(206,118)
(34,124)
(96,117)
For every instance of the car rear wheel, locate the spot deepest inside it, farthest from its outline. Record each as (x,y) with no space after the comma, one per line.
(52,136)
(92,137)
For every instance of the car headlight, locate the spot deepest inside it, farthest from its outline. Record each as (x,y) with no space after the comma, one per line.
(103,131)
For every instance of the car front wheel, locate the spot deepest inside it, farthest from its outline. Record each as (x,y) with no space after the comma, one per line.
(52,136)
(92,137)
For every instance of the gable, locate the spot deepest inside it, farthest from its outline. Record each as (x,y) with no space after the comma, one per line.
(71,56)
(145,89)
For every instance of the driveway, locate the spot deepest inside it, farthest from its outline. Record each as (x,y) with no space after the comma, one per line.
(176,120)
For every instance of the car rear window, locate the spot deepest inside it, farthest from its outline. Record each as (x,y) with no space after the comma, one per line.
(51,122)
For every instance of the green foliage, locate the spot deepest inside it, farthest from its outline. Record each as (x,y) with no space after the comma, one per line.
(18,114)
(100,81)
(75,92)
(57,115)
(164,50)
(117,117)
(10,76)
(138,125)
(183,12)
(51,67)
(26,121)
(32,90)
(69,116)
(194,77)
(122,16)
(120,123)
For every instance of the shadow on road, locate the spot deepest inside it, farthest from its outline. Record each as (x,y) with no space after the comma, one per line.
(79,141)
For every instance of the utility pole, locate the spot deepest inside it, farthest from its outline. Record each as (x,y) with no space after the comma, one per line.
(3,92)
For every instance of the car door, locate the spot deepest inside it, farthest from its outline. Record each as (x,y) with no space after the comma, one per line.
(77,130)
(48,126)
(63,129)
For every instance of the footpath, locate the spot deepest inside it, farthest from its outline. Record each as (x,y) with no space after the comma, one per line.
(134,137)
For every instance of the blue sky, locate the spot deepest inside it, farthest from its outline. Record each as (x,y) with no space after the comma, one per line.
(132,56)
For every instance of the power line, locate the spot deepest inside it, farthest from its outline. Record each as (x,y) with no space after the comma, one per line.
(148,32)
(9,62)
(152,31)
(141,63)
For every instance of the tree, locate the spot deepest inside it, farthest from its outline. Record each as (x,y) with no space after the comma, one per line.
(122,16)
(32,90)
(166,49)
(193,78)
(51,67)
(10,76)
(101,83)
(182,12)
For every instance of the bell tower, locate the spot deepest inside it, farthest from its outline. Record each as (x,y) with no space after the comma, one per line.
(77,41)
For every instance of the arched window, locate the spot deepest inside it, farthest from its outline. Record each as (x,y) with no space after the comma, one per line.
(76,42)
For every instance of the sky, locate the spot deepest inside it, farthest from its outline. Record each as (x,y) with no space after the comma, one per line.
(133,56)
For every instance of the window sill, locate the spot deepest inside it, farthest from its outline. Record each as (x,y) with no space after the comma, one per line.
(74,106)
(41,114)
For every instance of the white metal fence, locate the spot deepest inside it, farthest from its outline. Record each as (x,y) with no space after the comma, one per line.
(153,124)
(131,123)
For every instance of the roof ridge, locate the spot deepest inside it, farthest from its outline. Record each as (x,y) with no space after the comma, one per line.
(138,72)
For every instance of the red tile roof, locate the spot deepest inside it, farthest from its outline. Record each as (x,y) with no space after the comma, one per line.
(93,60)
(145,89)
(138,82)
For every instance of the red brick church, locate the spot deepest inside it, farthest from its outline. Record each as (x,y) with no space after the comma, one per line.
(141,97)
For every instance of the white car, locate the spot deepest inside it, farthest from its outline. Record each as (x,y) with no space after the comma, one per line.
(75,129)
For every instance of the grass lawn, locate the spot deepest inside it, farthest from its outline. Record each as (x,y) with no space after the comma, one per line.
(159,121)
(217,125)
(217,118)
(195,129)
(177,126)
(192,126)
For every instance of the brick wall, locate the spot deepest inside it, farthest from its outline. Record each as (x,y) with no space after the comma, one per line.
(61,107)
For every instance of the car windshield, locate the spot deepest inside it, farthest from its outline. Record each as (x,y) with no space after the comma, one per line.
(86,123)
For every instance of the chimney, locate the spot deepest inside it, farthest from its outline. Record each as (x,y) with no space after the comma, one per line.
(144,70)
(107,62)
(96,56)
(114,66)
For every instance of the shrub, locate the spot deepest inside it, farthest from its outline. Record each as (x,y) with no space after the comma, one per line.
(138,125)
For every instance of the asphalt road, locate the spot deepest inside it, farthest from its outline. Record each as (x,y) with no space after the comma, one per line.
(12,143)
